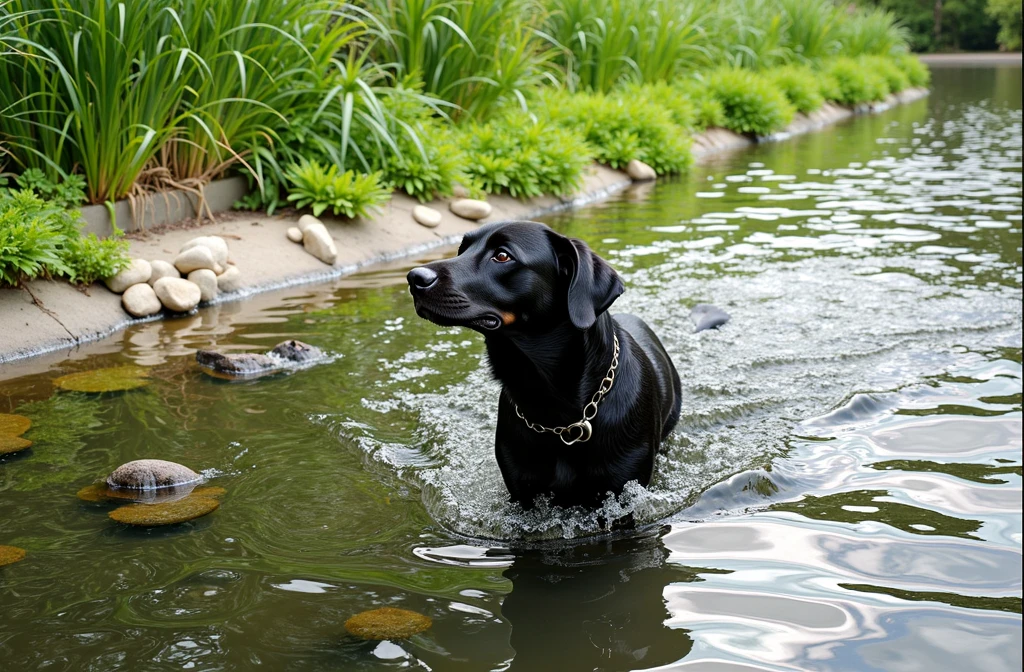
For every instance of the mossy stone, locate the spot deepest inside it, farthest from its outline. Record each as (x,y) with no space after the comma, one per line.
(387,623)
(10,555)
(169,513)
(114,379)
(13,425)
(100,492)
(12,444)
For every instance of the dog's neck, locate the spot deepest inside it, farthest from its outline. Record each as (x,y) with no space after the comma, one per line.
(554,373)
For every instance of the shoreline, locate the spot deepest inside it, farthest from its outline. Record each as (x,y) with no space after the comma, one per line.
(47,316)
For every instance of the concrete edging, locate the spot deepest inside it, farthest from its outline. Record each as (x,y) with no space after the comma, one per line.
(46,315)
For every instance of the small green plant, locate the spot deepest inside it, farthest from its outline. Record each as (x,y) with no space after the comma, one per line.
(708,110)
(524,156)
(622,127)
(751,103)
(800,85)
(89,258)
(917,72)
(680,107)
(319,188)
(855,83)
(895,79)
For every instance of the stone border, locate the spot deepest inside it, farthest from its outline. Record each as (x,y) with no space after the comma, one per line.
(46,316)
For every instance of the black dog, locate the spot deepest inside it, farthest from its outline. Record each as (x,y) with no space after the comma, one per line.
(586,397)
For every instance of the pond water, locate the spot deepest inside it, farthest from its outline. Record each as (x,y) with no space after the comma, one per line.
(843,491)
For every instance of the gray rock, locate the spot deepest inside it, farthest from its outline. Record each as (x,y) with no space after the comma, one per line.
(140,300)
(297,351)
(307,221)
(229,280)
(194,258)
(428,217)
(319,243)
(294,234)
(706,316)
(138,271)
(177,294)
(237,364)
(640,171)
(470,208)
(206,280)
(162,269)
(217,246)
(151,474)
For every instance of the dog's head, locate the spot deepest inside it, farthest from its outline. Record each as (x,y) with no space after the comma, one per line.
(515,275)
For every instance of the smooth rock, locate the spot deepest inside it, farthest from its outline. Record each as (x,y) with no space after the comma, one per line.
(428,217)
(151,474)
(307,221)
(206,280)
(178,294)
(459,191)
(140,300)
(294,233)
(138,271)
(236,364)
(166,513)
(319,243)
(162,269)
(217,245)
(470,208)
(640,171)
(297,351)
(230,279)
(195,258)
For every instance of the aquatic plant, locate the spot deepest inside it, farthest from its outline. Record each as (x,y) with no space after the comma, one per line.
(387,623)
(11,554)
(165,513)
(113,379)
(751,103)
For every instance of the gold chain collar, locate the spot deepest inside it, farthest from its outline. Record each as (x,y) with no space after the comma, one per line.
(580,432)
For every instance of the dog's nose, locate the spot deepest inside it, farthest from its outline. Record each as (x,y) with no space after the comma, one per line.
(421,277)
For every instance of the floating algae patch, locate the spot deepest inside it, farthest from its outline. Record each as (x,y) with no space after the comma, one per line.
(10,555)
(387,623)
(12,444)
(113,379)
(101,492)
(167,513)
(13,425)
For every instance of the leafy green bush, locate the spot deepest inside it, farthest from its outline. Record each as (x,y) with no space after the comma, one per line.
(800,85)
(1008,14)
(917,72)
(89,259)
(895,79)
(621,128)
(680,107)
(708,110)
(855,83)
(751,103)
(524,156)
(319,188)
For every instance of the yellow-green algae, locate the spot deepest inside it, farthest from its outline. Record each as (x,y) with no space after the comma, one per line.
(12,444)
(10,554)
(168,513)
(387,623)
(114,379)
(101,492)
(13,425)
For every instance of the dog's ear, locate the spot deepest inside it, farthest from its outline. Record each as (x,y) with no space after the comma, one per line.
(593,283)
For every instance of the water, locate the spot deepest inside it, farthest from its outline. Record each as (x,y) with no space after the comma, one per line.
(843,491)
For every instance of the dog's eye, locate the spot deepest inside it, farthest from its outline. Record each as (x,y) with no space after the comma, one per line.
(501,257)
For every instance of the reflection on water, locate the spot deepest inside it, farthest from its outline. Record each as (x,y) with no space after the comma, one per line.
(844,490)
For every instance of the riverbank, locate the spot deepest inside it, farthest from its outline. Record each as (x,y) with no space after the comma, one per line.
(47,316)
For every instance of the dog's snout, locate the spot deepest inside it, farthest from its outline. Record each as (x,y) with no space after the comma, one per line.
(421,277)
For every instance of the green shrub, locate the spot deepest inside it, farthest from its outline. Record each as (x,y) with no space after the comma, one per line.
(917,72)
(855,83)
(524,156)
(680,107)
(89,259)
(895,79)
(708,110)
(800,85)
(751,103)
(621,128)
(319,188)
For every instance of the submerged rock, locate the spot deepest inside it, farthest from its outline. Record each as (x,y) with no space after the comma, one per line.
(103,493)
(138,271)
(11,554)
(387,623)
(114,379)
(470,208)
(706,316)
(167,513)
(237,364)
(297,351)
(151,474)
(13,444)
(14,425)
